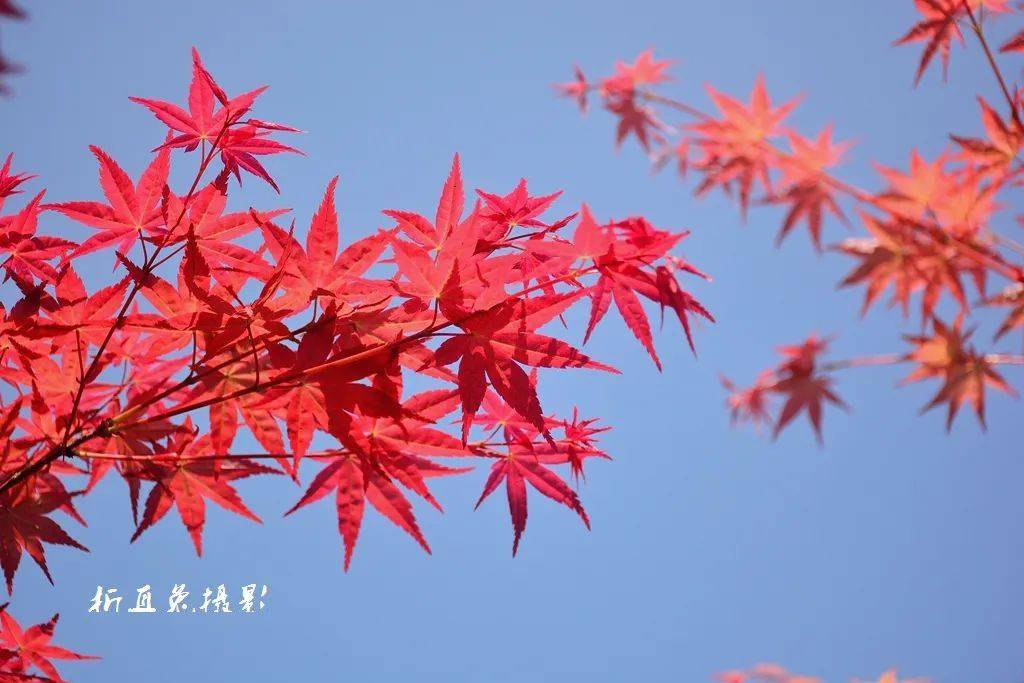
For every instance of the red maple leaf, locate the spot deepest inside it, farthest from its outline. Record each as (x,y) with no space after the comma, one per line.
(28,255)
(946,355)
(1013,298)
(937,29)
(1014,44)
(24,649)
(617,250)
(133,210)
(25,524)
(752,404)
(384,452)
(184,478)
(806,187)
(635,119)
(576,89)
(239,141)
(734,153)
(355,481)
(519,468)
(9,182)
(1000,149)
(645,70)
(805,388)
(495,345)
(319,271)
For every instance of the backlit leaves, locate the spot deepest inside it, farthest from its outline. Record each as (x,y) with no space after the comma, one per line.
(931,240)
(220,326)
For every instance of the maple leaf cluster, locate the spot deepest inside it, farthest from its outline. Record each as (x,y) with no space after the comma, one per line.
(930,231)
(219,321)
(940,26)
(800,378)
(23,650)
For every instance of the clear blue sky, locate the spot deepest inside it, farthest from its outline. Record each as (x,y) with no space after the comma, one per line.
(896,545)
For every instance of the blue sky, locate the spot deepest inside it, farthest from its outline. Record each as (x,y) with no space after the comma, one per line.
(896,545)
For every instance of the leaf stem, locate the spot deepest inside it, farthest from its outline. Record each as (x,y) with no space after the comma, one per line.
(996,71)
(865,361)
